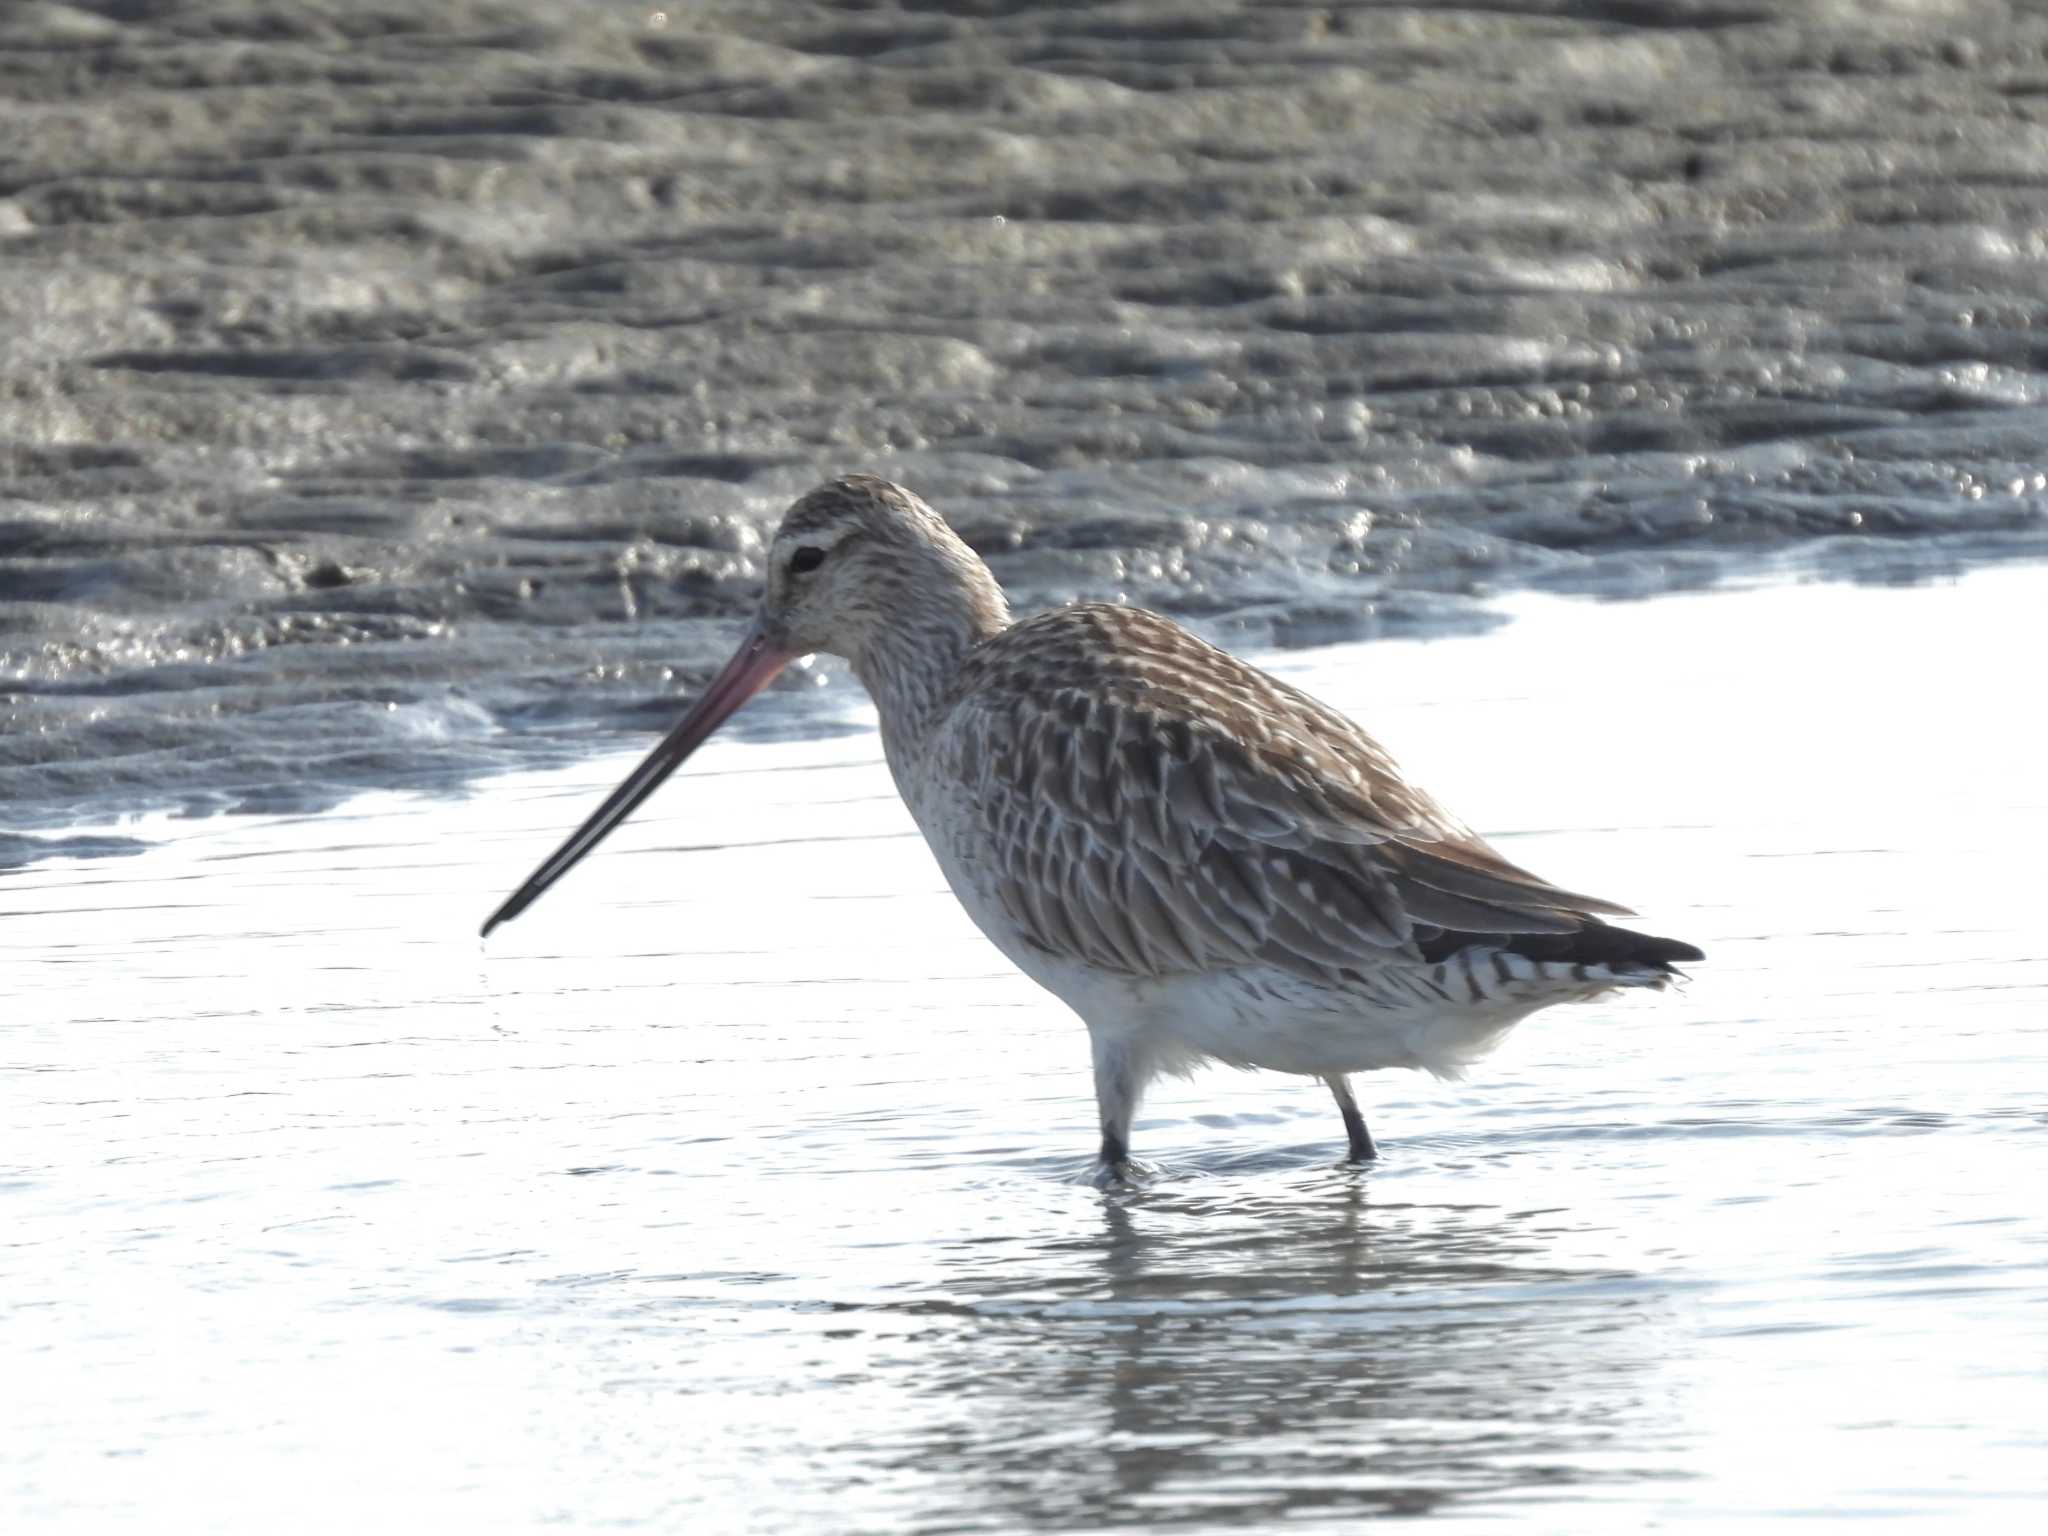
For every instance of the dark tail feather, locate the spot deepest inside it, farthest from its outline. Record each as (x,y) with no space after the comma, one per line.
(1595,943)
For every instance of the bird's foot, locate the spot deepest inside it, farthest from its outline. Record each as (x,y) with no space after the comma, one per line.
(1110,1175)
(1120,1173)
(1112,1168)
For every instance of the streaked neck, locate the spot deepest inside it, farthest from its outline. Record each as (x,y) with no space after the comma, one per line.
(909,661)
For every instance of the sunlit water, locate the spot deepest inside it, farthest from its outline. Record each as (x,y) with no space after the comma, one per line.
(735,1187)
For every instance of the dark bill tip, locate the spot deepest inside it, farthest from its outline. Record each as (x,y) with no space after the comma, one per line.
(752,668)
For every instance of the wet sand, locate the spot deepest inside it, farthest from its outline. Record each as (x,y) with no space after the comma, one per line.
(408,387)
(734,1187)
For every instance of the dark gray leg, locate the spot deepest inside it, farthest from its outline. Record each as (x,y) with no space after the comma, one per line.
(1119,1080)
(1362,1149)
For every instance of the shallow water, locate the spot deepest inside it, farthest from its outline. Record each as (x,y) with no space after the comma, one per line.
(736,1185)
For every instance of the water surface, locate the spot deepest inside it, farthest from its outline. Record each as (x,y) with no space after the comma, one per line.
(734,1187)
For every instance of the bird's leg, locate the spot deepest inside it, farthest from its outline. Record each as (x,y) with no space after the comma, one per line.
(1362,1149)
(1119,1080)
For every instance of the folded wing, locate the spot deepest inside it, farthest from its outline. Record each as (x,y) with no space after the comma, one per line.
(1152,805)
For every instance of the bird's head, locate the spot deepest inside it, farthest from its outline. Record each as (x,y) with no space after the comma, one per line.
(860,568)
(860,559)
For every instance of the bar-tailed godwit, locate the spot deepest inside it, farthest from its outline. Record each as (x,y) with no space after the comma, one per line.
(1201,861)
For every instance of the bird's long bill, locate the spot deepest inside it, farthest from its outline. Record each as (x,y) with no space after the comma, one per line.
(752,668)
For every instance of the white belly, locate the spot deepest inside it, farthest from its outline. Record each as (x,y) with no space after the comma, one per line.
(1248,1017)
(1439,1019)
(1265,1017)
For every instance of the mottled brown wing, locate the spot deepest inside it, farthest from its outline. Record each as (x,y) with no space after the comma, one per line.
(1150,804)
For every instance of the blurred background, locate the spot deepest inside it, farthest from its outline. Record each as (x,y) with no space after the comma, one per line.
(395,392)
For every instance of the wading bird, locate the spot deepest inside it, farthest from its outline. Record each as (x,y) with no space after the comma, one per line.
(1201,861)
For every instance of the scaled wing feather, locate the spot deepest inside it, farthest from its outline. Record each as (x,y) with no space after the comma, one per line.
(1152,806)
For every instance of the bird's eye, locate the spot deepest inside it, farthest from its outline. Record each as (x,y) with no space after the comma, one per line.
(808,557)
